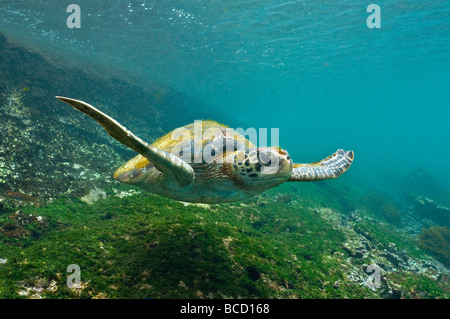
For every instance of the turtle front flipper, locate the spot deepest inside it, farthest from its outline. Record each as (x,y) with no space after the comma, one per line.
(330,167)
(163,161)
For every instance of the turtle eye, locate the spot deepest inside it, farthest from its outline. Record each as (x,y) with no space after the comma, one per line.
(264,159)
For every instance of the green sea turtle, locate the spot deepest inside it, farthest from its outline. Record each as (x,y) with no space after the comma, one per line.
(217,165)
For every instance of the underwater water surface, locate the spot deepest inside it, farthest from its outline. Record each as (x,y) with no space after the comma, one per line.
(312,69)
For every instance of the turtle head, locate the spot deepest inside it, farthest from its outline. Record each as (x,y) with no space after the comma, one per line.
(263,168)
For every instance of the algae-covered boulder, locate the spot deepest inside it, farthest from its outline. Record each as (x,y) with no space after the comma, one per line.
(437,241)
(426,208)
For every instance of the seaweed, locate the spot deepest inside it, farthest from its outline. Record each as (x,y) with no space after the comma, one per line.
(437,241)
(144,246)
(382,206)
(147,246)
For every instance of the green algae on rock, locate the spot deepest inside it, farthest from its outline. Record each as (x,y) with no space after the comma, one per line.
(145,246)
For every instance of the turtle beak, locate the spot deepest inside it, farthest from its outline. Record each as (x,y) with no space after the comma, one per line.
(123,177)
(134,176)
(122,174)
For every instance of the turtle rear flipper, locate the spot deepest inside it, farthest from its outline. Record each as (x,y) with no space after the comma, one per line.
(331,167)
(163,161)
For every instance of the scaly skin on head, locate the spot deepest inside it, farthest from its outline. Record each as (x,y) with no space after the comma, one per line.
(262,168)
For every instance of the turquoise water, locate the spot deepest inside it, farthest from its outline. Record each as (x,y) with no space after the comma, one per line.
(313,69)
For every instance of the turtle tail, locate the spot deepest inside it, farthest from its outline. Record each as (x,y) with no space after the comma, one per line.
(331,167)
